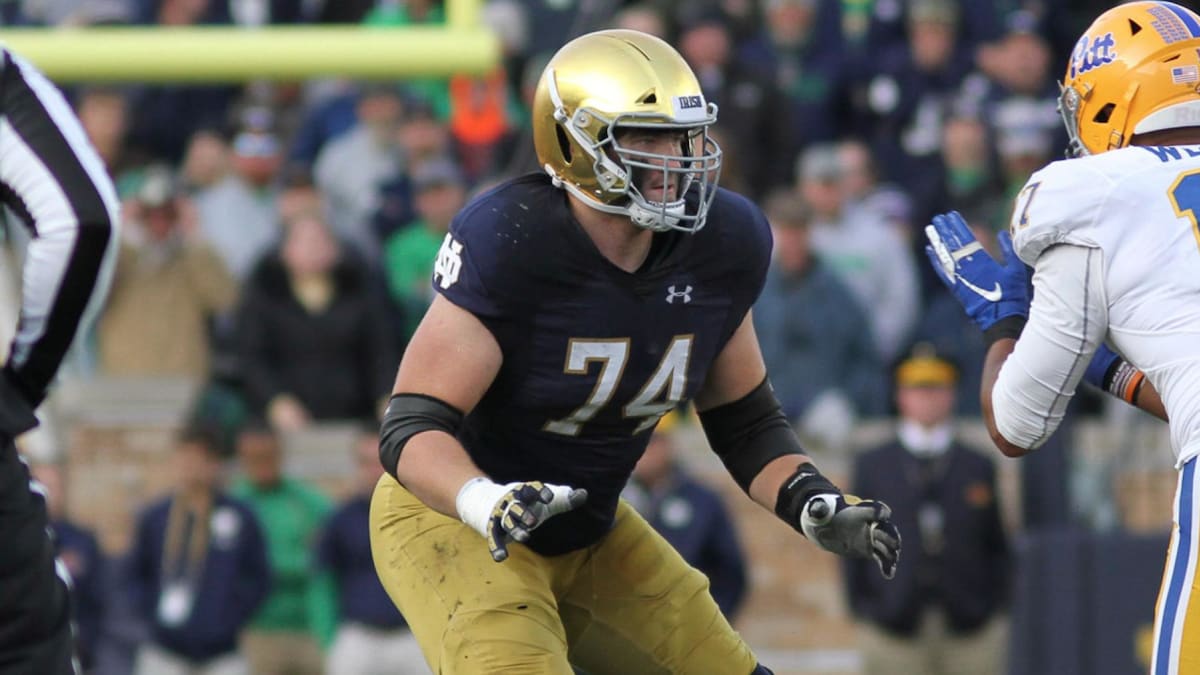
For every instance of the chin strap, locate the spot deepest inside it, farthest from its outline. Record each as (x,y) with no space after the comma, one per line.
(660,219)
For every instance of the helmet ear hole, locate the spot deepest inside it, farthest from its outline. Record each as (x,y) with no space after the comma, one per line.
(564,144)
(1104,113)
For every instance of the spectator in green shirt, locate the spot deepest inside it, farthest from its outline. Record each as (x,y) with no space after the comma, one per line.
(284,637)
(439,192)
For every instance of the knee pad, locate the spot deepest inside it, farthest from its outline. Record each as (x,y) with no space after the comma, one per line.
(510,637)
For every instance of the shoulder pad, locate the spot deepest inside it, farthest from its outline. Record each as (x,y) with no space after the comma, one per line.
(493,251)
(1057,205)
(740,229)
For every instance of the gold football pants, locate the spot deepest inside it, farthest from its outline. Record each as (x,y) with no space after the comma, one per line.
(627,604)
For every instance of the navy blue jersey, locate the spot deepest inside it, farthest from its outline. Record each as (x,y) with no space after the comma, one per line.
(593,355)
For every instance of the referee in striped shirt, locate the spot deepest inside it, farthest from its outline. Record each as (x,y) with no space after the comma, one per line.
(53,180)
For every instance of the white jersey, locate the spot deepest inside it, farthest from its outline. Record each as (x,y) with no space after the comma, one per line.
(1130,276)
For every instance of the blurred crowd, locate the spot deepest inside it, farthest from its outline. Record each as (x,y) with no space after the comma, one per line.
(279,237)
(256,571)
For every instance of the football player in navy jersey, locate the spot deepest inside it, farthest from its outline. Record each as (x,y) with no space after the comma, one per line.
(575,308)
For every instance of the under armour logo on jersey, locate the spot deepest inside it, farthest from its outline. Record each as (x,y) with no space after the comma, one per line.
(672,294)
(448,263)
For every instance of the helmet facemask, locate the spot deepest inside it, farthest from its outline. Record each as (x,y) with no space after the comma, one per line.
(1069,102)
(698,163)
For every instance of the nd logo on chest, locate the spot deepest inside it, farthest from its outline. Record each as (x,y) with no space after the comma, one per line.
(1092,52)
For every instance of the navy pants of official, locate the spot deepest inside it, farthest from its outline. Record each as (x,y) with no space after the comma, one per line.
(35,621)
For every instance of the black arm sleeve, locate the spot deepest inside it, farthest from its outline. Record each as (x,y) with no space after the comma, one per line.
(750,432)
(408,415)
(16,412)
(1008,327)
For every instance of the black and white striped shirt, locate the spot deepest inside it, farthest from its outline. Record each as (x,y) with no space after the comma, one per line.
(53,179)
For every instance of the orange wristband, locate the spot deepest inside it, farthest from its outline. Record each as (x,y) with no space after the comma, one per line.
(1134,386)
(1125,380)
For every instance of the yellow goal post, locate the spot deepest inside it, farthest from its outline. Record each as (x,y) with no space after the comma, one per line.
(209,54)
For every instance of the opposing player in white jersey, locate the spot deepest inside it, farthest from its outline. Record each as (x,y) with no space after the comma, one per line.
(1113,235)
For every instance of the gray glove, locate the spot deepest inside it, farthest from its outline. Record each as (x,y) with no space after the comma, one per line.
(839,523)
(849,526)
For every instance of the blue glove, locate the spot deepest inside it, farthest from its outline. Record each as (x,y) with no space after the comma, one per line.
(1102,361)
(987,289)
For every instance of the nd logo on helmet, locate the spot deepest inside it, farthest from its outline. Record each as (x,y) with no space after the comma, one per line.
(1092,53)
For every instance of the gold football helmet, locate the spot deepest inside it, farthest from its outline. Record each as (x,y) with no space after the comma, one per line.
(613,79)
(1135,70)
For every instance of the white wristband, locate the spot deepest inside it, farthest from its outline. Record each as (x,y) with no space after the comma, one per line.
(475,501)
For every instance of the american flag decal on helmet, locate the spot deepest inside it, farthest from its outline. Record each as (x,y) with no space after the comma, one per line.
(1185,74)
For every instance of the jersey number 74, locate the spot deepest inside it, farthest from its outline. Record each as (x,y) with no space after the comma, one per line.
(662,392)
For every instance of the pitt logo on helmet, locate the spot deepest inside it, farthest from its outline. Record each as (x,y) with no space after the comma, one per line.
(1092,53)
